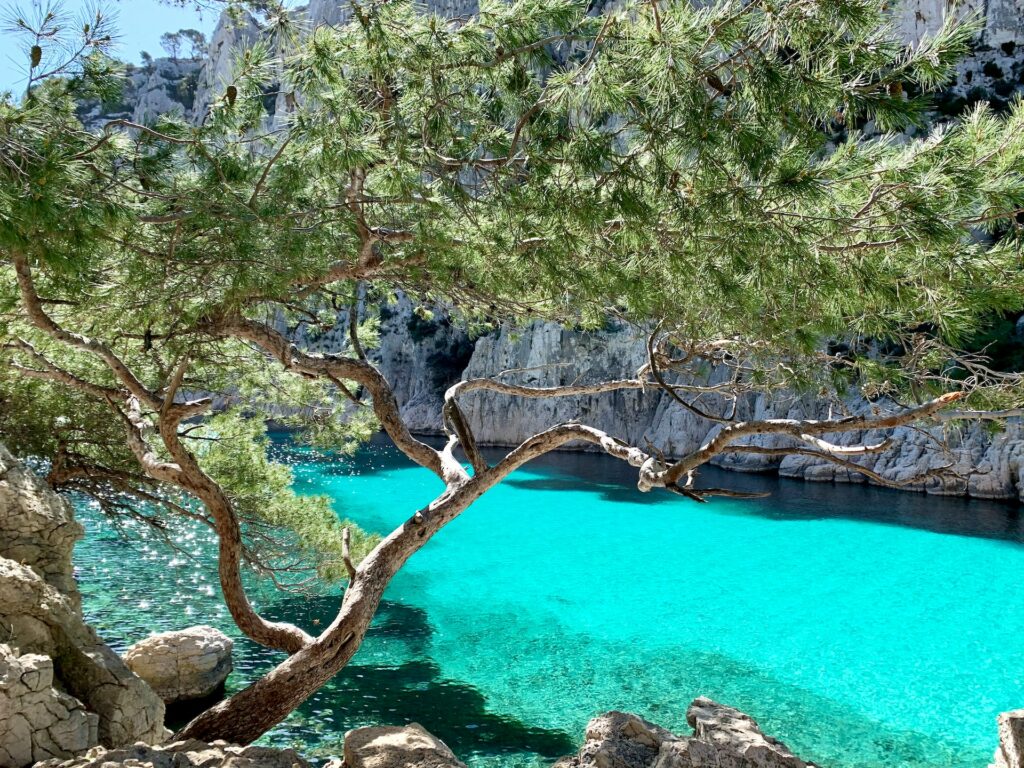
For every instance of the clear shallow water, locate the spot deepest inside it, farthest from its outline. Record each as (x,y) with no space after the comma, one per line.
(863,627)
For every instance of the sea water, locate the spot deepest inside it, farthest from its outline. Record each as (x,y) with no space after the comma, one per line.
(863,627)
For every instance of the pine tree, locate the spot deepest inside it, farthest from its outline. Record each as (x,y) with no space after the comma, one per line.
(742,182)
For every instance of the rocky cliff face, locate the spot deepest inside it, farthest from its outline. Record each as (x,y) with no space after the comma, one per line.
(62,689)
(990,461)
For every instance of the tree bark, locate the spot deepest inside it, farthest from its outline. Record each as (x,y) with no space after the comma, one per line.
(252,711)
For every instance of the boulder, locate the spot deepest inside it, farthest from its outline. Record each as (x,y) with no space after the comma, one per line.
(1010,753)
(183,754)
(618,740)
(187,664)
(411,746)
(89,696)
(37,527)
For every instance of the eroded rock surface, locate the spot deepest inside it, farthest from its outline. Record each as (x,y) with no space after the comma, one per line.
(88,688)
(411,746)
(37,721)
(618,740)
(1010,753)
(187,664)
(183,754)
(723,738)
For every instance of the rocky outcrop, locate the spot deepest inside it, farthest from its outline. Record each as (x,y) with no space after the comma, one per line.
(723,737)
(411,746)
(1010,753)
(619,740)
(160,87)
(183,754)
(41,621)
(234,32)
(37,721)
(37,527)
(187,664)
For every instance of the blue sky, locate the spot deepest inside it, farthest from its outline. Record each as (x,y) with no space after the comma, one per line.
(139,25)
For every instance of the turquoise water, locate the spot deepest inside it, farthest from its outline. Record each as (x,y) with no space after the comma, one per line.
(863,627)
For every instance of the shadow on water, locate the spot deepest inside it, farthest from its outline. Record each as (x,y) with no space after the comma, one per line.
(393,620)
(413,690)
(455,712)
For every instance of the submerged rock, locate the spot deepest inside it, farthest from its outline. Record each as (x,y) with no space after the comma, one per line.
(411,746)
(187,664)
(89,696)
(183,754)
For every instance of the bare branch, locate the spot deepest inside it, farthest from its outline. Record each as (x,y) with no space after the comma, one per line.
(385,406)
(38,316)
(346,554)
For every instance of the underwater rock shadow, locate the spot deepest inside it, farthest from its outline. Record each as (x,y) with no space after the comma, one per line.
(414,691)
(454,711)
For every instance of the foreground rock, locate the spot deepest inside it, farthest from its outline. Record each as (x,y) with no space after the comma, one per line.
(62,689)
(395,747)
(183,754)
(723,738)
(188,664)
(1010,753)
(36,720)
(619,740)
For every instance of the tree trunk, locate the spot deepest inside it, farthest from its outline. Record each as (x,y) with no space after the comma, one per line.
(251,712)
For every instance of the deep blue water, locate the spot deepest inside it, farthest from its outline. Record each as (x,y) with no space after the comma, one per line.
(864,627)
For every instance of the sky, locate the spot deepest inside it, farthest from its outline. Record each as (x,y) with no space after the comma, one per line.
(139,24)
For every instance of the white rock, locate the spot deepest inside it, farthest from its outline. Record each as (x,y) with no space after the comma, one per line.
(186,664)
(36,720)
(183,754)
(619,740)
(411,746)
(63,689)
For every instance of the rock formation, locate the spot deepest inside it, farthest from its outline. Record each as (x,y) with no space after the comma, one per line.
(723,737)
(183,754)
(619,740)
(187,664)
(1010,753)
(89,694)
(411,746)
(37,720)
